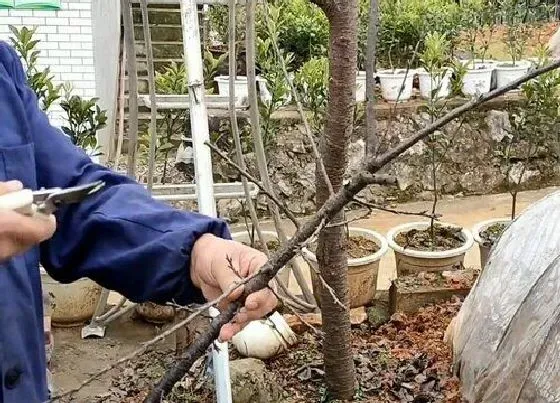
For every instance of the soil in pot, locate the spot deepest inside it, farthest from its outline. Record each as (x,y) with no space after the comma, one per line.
(357,247)
(491,234)
(446,238)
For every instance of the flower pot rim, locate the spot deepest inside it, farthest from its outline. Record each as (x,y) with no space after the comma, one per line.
(388,73)
(506,65)
(47,276)
(423,72)
(242,79)
(236,235)
(479,61)
(428,254)
(379,238)
(482,225)
(485,70)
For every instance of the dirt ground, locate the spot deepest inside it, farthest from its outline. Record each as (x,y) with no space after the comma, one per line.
(404,360)
(75,359)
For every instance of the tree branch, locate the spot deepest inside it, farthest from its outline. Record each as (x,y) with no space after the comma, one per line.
(372,206)
(259,184)
(328,211)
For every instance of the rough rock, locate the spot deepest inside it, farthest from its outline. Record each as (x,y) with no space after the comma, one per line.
(252,383)
(378,313)
(498,124)
(230,209)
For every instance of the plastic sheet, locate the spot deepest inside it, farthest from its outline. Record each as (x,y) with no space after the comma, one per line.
(506,339)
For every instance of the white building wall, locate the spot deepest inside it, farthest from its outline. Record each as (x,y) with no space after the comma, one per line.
(67,44)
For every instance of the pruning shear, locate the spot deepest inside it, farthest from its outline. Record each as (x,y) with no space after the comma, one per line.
(47,201)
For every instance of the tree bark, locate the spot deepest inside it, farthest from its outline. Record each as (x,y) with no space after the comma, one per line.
(331,251)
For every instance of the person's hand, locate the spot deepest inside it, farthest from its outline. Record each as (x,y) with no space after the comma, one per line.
(18,232)
(211,272)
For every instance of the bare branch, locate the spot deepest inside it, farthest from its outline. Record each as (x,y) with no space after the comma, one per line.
(259,184)
(372,206)
(373,179)
(350,220)
(297,314)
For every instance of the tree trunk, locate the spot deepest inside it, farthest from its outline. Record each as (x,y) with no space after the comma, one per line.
(331,252)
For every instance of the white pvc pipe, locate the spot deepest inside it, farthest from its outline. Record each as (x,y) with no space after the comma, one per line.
(203,164)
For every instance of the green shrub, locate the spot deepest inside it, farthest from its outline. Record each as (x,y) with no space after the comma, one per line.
(85,118)
(404,25)
(304,31)
(39,80)
(312,82)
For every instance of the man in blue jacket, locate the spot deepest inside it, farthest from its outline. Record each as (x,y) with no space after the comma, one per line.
(120,237)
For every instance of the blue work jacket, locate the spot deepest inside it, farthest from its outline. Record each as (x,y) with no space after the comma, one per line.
(121,237)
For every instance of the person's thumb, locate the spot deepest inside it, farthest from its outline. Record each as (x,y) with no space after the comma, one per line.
(11,186)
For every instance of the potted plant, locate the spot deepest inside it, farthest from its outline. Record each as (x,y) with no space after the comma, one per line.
(477,78)
(85,118)
(430,245)
(396,83)
(427,246)
(534,126)
(486,234)
(517,34)
(435,75)
(365,250)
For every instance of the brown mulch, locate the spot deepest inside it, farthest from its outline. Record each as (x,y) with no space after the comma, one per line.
(404,360)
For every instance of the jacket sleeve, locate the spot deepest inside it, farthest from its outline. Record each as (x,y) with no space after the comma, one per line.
(121,237)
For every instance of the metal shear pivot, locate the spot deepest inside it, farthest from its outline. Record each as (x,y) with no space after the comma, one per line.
(49,200)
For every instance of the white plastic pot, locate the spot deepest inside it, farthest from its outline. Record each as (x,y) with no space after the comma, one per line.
(412,261)
(478,80)
(241,88)
(71,304)
(360,86)
(362,272)
(507,73)
(483,247)
(428,84)
(264,339)
(396,86)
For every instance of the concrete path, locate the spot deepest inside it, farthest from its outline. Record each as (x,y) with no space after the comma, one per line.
(465,211)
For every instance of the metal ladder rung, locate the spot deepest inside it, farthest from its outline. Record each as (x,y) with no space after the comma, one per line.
(163,102)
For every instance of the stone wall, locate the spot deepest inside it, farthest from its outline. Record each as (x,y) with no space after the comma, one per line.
(469,167)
